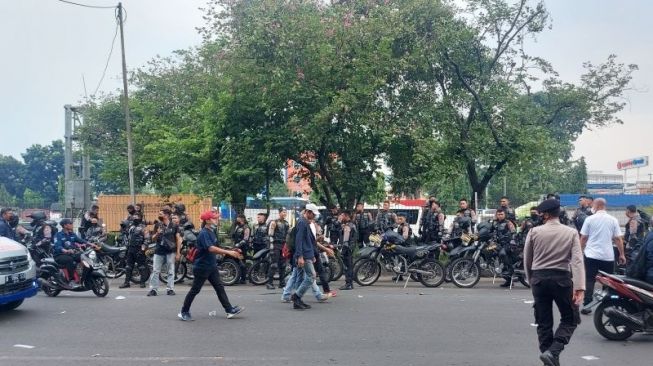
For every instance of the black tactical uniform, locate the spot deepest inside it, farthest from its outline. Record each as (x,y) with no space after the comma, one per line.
(333,227)
(240,239)
(580,215)
(278,263)
(136,235)
(95,232)
(504,232)
(433,228)
(260,237)
(385,220)
(635,232)
(364,225)
(400,230)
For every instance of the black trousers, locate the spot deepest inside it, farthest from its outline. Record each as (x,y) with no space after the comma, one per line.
(592,268)
(277,264)
(321,272)
(348,260)
(136,257)
(68,261)
(201,275)
(551,286)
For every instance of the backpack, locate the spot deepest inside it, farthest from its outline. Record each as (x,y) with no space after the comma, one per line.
(637,268)
(288,249)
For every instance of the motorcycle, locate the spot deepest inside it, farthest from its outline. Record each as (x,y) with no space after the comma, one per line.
(258,272)
(482,254)
(335,265)
(92,276)
(114,259)
(391,255)
(625,307)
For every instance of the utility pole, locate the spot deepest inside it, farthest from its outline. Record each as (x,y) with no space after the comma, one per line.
(130,158)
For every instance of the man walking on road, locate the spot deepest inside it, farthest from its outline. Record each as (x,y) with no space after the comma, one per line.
(598,233)
(305,243)
(550,251)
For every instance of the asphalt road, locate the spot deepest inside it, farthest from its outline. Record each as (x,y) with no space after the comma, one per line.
(380,325)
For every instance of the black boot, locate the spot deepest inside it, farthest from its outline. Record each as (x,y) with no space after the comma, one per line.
(298,304)
(506,284)
(125,285)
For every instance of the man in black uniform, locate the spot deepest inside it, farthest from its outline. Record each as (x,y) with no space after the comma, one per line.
(277,232)
(260,233)
(504,204)
(348,239)
(583,211)
(463,206)
(532,221)
(504,231)
(385,219)
(332,226)
(364,223)
(137,234)
(564,219)
(433,224)
(635,228)
(240,238)
(553,262)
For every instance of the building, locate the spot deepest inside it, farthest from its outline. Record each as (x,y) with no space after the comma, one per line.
(602,183)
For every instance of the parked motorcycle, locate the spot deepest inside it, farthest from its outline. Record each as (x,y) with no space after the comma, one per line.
(391,255)
(92,276)
(625,307)
(258,272)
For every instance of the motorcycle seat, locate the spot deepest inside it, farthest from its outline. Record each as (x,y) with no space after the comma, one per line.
(637,283)
(108,249)
(409,251)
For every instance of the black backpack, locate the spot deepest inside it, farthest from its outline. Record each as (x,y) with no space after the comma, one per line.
(637,268)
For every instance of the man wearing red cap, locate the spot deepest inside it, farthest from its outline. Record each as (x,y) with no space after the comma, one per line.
(205,267)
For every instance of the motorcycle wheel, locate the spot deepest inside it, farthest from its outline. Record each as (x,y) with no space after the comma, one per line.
(465,273)
(258,273)
(329,274)
(100,286)
(605,326)
(230,272)
(337,269)
(110,267)
(180,272)
(136,275)
(50,291)
(436,278)
(367,272)
(447,270)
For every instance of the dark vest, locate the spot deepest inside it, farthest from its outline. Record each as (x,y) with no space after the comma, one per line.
(362,221)
(400,230)
(502,232)
(137,235)
(280,231)
(239,234)
(260,235)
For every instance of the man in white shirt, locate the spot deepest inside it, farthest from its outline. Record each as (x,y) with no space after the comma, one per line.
(598,233)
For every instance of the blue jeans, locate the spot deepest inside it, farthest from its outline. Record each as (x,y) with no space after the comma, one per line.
(158,260)
(290,285)
(308,280)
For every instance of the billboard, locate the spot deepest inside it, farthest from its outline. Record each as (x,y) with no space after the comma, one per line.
(639,162)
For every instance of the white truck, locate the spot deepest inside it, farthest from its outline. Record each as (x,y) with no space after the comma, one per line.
(17,274)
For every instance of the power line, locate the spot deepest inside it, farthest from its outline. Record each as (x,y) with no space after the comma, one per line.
(106,65)
(86,6)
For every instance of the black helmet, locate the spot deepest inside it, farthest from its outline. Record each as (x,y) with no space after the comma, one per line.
(38,215)
(180,208)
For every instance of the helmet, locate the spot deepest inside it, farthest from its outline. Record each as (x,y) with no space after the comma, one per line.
(180,208)
(484,231)
(38,215)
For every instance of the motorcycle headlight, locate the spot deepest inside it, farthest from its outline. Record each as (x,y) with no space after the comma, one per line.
(92,256)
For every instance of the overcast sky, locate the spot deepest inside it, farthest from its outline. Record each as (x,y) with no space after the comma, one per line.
(49,45)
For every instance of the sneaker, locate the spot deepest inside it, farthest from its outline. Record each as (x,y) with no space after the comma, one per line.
(270,286)
(586,311)
(347,286)
(170,292)
(324,297)
(234,311)
(549,359)
(185,316)
(152,292)
(73,284)
(124,285)
(333,293)
(284,300)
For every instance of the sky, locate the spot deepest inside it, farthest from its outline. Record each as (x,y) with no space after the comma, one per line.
(48,46)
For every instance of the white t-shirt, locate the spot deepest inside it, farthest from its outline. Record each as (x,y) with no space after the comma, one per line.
(314,229)
(600,229)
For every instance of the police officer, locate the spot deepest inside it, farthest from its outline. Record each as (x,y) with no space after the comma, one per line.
(348,239)
(404,229)
(433,224)
(504,204)
(137,235)
(332,226)
(85,224)
(462,224)
(635,228)
(66,243)
(43,231)
(583,211)
(180,211)
(260,233)
(504,231)
(240,237)
(553,262)
(463,205)
(277,232)
(364,223)
(385,219)
(564,219)
(532,221)
(95,232)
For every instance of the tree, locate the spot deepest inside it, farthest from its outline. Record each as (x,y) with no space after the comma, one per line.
(12,172)
(43,167)
(473,85)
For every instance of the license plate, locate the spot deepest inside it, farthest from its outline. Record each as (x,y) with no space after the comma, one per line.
(14,278)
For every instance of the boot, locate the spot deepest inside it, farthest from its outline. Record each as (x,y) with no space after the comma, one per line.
(347,286)
(125,285)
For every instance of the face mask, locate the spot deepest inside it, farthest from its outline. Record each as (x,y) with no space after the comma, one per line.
(534,217)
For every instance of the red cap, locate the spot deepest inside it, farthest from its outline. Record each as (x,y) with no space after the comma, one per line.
(208,215)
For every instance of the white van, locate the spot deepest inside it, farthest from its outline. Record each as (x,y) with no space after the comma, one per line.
(17,274)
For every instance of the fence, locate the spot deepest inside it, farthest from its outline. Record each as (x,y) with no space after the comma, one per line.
(113,208)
